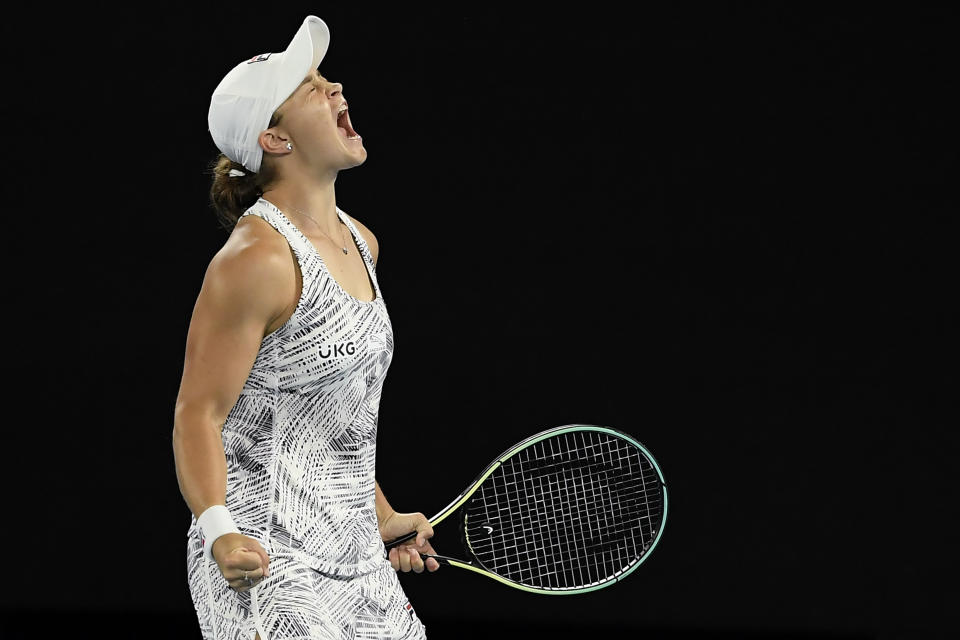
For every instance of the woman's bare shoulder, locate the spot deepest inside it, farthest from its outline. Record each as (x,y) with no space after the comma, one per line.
(254,261)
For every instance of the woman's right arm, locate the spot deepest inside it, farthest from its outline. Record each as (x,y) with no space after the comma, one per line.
(248,284)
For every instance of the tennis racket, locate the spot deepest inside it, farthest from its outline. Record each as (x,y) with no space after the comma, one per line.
(568,510)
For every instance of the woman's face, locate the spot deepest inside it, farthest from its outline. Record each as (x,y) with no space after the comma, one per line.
(318,126)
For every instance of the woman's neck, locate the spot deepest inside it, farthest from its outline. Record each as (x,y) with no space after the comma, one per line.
(309,203)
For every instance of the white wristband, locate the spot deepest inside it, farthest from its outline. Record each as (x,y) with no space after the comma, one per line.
(214,522)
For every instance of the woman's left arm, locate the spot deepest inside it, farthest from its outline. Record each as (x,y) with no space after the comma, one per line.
(405,556)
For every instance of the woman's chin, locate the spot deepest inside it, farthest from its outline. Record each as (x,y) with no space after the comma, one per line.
(353,145)
(358,154)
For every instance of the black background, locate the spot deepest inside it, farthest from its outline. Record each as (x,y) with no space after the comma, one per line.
(721,227)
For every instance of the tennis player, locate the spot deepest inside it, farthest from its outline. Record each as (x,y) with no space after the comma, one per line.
(287,350)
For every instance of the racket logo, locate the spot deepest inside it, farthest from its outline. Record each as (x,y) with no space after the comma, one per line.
(488,528)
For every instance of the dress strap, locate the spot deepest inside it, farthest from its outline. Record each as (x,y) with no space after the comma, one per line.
(300,245)
(365,252)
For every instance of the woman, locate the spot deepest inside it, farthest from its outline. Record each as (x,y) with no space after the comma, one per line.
(288,346)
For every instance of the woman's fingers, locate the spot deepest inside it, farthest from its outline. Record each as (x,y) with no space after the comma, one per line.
(424,530)
(243,579)
(405,559)
(416,562)
(244,565)
(264,558)
(431,564)
(427,549)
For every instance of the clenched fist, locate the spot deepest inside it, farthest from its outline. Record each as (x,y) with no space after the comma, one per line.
(241,559)
(406,555)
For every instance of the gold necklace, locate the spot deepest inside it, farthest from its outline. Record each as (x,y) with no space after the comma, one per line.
(344,247)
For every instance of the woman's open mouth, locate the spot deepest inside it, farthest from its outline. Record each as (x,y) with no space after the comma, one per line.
(344,126)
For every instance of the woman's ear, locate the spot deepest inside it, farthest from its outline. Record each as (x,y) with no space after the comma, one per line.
(274,141)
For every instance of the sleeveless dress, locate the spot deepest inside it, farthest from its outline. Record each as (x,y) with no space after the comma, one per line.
(300,446)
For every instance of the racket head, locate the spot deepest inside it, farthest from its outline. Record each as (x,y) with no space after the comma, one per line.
(568,510)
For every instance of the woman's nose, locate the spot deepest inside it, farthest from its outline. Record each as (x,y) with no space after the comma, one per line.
(334,88)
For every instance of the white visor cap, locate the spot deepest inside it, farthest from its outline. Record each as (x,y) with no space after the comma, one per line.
(246,98)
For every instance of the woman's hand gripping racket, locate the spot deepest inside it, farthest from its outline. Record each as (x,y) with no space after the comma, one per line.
(568,510)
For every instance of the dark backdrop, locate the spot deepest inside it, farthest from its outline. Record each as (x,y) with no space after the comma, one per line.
(722,227)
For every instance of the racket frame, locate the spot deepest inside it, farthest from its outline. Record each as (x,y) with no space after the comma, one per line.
(457,502)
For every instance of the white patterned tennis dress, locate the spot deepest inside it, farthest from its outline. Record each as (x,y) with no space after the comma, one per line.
(300,445)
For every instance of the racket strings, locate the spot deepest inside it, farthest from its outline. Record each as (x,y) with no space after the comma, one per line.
(629,510)
(635,504)
(570,510)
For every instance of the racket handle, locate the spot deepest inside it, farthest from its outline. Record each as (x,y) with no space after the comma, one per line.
(440,559)
(423,556)
(400,540)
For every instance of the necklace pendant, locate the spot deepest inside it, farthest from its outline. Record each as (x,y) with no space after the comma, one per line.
(344,251)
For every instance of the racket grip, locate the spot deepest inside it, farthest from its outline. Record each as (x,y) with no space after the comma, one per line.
(439,559)
(400,540)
